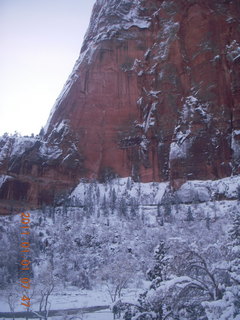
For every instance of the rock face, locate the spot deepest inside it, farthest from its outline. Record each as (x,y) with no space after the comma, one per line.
(155,95)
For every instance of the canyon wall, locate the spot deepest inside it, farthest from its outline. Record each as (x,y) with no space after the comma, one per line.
(154,94)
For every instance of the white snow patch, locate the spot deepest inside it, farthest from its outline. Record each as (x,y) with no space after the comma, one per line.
(4,178)
(188,107)
(21,144)
(61,126)
(123,185)
(179,148)
(168,35)
(178,151)
(132,18)
(235,143)
(51,152)
(233,51)
(206,190)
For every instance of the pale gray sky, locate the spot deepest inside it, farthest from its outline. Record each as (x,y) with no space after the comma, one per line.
(40,41)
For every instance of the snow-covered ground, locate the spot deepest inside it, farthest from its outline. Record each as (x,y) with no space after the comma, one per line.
(98,315)
(103,231)
(73,298)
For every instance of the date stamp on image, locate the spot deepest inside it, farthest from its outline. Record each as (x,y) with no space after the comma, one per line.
(25,262)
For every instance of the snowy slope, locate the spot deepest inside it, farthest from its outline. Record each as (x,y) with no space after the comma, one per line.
(101,230)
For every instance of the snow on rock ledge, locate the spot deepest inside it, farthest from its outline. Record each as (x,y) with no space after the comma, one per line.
(202,191)
(154,193)
(3,179)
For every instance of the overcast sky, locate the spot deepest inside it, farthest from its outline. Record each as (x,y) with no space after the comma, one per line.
(40,41)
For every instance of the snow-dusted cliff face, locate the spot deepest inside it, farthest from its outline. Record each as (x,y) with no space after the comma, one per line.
(33,171)
(155,91)
(154,94)
(108,19)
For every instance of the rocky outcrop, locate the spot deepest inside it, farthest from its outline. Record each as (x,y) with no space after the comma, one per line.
(36,172)
(155,95)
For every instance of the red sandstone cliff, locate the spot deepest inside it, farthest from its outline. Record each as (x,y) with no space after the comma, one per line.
(155,94)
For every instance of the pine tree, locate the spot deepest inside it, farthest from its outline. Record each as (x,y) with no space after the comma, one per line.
(88,201)
(166,203)
(139,192)
(104,207)
(234,234)
(133,208)
(158,273)
(122,207)
(98,194)
(129,184)
(231,299)
(238,193)
(41,133)
(207,219)
(113,199)
(159,215)
(189,215)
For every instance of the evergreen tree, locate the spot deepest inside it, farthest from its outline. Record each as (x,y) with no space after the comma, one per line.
(98,193)
(133,208)
(64,209)
(139,192)
(158,273)
(88,201)
(177,203)
(129,184)
(166,203)
(113,199)
(207,219)
(159,215)
(234,234)
(104,206)
(238,193)
(230,303)
(41,133)
(122,207)
(189,215)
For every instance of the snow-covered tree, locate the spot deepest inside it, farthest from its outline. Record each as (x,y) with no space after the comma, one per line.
(122,207)
(228,307)
(166,203)
(105,207)
(158,272)
(189,215)
(129,184)
(113,199)
(238,193)
(12,296)
(208,222)
(160,219)
(234,234)
(134,208)
(149,305)
(88,200)
(44,289)
(117,274)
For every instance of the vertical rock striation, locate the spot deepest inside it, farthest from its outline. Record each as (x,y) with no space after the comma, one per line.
(155,92)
